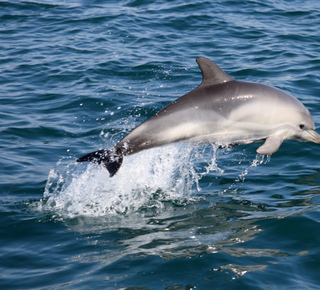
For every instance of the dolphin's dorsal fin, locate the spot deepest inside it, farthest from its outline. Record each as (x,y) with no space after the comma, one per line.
(211,73)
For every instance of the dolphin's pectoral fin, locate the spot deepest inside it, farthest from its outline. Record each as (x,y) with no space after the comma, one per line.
(270,146)
(111,159)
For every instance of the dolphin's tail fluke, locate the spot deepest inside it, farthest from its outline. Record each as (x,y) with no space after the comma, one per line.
(111,159)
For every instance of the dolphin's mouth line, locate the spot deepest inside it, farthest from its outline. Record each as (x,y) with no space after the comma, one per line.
(315,137)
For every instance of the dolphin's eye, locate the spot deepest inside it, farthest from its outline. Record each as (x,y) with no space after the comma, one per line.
(301,126)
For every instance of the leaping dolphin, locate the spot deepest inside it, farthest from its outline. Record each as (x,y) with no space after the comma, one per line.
(222,111)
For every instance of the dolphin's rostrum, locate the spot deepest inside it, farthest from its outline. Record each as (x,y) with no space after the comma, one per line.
(221,111)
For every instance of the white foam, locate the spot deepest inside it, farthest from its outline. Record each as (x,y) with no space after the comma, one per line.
(144,181)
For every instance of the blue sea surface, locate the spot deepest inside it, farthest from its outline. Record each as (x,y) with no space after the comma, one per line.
(76,76)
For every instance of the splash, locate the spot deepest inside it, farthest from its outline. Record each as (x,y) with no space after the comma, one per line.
(147,182)
(258,160)
(255,163)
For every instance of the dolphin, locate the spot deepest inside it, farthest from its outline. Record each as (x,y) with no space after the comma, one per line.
(222,111)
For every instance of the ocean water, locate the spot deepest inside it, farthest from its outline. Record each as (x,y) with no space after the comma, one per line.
(76,76)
